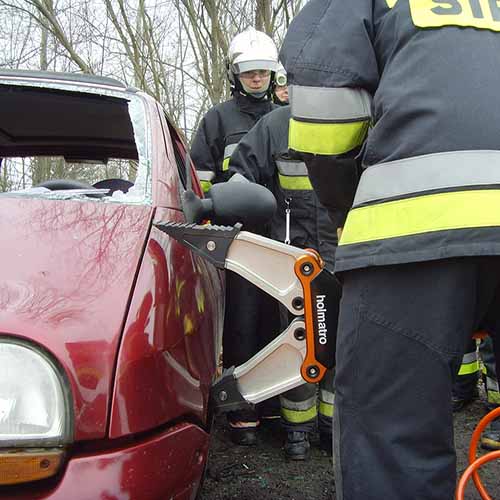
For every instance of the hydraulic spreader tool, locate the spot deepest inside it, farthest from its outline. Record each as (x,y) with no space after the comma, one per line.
(297,279)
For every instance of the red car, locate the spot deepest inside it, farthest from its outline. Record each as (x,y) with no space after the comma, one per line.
(110,331)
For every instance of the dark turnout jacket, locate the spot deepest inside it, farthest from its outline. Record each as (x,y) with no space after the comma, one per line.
(262,157)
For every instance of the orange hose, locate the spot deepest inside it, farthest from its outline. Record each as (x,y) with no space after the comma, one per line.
(471,470)
(476,463)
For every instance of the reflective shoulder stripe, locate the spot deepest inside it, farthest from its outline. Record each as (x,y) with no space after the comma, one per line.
(205,175)
(391,3)
(293,175)
(229,150)
(428,173)
(225,164)
(326,138)
(329,104)
(291,168)
(295,183)
(423,214)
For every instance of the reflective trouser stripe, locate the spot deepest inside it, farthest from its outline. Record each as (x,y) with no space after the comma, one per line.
(470,364)
(326,138)
(423,214)
(493,397)
(469,368)
(299,416)
(296,182)
(326,409)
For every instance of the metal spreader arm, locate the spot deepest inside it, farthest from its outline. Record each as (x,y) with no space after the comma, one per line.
(297,279)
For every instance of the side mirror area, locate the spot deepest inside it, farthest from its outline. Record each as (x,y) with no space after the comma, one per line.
(231,202)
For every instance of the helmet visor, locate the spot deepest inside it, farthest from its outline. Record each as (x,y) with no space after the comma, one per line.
(241,67)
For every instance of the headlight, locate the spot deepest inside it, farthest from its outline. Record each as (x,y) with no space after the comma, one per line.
(34,401)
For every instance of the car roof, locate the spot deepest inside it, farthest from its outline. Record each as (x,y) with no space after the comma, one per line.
(81,79)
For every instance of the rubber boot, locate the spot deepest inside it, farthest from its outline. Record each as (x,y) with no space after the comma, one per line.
(297,445)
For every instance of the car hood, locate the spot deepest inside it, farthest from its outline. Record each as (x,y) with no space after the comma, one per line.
(67,271)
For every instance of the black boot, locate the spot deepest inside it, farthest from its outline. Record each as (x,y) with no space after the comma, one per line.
(297,445)
(326,442)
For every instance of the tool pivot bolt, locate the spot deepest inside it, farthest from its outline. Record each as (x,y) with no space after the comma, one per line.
(306,269)
(298,303)
(312,371)
(300,334)
(223,395)
(211,246)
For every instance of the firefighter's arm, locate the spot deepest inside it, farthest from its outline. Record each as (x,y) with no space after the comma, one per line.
(207,147)
(251,156)
(330,60)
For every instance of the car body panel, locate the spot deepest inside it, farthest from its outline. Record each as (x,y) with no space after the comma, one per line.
(132,317)
(67,270)
(167,358)
(168,465)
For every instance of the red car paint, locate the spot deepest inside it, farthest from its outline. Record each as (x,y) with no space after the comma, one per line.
(134,320)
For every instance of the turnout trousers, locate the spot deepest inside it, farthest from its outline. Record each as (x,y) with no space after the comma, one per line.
(403,330)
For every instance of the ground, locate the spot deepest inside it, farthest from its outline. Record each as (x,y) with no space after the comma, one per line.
(261,473)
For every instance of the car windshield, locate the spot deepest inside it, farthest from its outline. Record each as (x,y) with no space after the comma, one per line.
(72,142)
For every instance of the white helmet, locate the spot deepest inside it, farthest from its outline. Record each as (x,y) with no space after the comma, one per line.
(280,77)
(251,50)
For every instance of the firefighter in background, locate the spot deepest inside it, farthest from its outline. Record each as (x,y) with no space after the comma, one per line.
(419,251)
(280,96)
(251,317)
(465,389)
(300,220)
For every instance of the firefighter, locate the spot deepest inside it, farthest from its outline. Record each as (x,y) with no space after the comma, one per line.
(280,96)
(251,67)
(251,317)
(465,390)
(300,220)
(418,254)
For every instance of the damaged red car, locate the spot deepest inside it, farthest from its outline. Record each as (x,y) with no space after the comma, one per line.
(110,331)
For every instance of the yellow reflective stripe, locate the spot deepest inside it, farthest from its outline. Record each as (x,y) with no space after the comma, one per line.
(469,368)
(326,138)
(326,409)
(391,3)
(423,214)
(295,182)
(435,14)
(225,163)
(205,185)
(299,416)
(493,397)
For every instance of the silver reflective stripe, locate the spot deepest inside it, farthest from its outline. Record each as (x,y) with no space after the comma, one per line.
(470,357)
(292,168)
(205,175)
(329,104)
(298,405)
(491,384)
(229,150)
(326,396)
(428,172)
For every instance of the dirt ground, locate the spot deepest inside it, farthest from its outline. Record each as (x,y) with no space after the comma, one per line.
(261,473)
